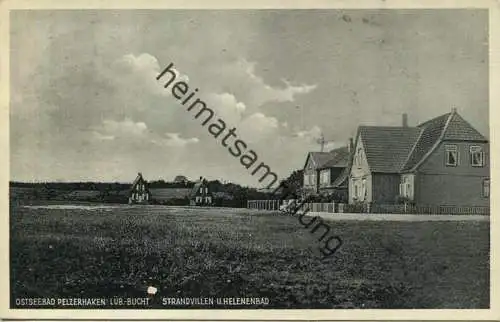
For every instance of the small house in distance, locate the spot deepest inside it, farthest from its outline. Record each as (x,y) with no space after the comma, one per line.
(200,194)
(181,179)
(139,192)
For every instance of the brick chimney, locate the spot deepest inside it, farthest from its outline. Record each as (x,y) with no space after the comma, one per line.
(405,120)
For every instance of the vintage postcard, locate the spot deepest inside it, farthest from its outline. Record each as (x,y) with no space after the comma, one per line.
(214,161)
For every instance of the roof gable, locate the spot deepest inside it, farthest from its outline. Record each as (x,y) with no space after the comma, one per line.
(318,159)
(138,179)
(450,126)
(430,133)
(460,129)
(199,184)
(386,148)
(337,158)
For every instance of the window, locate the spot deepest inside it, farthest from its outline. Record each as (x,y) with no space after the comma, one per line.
(486,188)
(355,187)
(476,156)
(451,156)
(363,189)
(325,176)
(358,157)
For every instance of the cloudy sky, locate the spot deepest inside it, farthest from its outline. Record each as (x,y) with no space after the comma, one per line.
(85,104)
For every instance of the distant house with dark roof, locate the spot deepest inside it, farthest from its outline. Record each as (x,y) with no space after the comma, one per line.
(322,170)
(443,161)
(200,194)
(181,179)
(139,192)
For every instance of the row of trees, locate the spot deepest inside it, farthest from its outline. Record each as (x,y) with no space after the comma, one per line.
(231,194)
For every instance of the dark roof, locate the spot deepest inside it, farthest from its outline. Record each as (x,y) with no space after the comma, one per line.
(387,148)
(180,178)
(396,149)
(337,158)
(197,186)
(334,158)
(195,189)
(319,158)
(429,135)
(342,180)
(460,129)
(450,126)
(137,180)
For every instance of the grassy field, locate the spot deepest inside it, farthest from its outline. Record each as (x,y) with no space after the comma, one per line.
(95,252)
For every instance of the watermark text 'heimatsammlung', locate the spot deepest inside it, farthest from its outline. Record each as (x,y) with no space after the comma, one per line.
(216,126)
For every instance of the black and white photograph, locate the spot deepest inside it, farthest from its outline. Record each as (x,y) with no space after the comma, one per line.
(190,159)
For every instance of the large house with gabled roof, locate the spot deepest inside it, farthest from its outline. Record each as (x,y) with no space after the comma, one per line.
(444,161)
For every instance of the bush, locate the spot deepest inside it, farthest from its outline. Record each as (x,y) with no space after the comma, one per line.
(402,200)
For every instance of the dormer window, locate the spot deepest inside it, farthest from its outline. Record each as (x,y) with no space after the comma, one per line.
(476,156)
(451,155)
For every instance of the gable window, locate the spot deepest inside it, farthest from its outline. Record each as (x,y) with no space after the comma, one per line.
(476,156)
(325,176)
(486,188)
(451,155)
(358,157)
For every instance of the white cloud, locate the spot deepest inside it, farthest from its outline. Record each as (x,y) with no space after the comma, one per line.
(226,106)
(242,73)
(139,72)
(102,137)
(258,127)
(123,128)
(174,140)
(312,133)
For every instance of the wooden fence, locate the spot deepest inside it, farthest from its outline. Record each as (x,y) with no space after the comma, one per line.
(332,207)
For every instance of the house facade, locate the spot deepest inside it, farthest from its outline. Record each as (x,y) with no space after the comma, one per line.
(139,192)
(200,194)
(322,171)
(443,161)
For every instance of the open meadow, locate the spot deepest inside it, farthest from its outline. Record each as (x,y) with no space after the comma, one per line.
(120,250)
